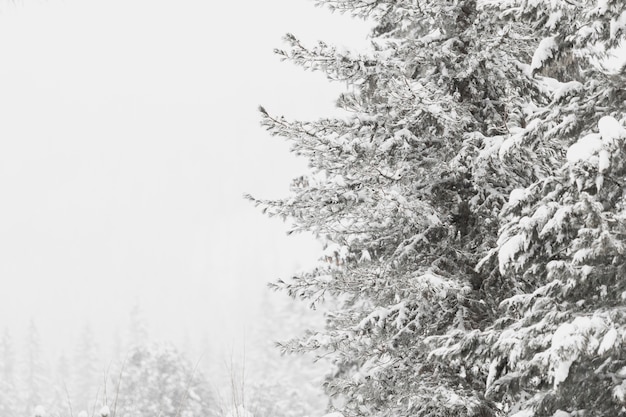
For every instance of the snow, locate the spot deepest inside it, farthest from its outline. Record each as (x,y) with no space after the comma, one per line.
(561,413)
(239,411)
(561,371)
(603,6)
(541,216)
(557,221)
(436,284)
(104,411)
(554,19)
(434,109)
(510,143)
(586,270)
(491,145)
(454,399)
(581,254)
(621,373)
(566,89)
(336,251)
(594,148)
(545,51)
(559,89)
(528,412)
(604,162)
(610,129)
(618,24)
(608,341)
(379,316)
(619,392)
(603,291)
(339,180)
(517,195)
(40,411)
(403,134)
(335,414)
(572,338)
(493,368)
(376,317)
(580,182)
(403,316)
(585,148)
(507,252)
(432,36)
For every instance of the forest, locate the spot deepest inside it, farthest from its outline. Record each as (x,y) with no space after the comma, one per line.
(134,373)
(471,203)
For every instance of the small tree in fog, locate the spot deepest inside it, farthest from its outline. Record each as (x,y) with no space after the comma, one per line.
(282,385)
(34,378)
(8,391)
(159,381)
(86,381)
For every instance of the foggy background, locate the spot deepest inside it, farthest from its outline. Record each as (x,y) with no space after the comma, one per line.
(128,135)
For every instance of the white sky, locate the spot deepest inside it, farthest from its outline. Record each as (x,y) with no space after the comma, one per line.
(128,134)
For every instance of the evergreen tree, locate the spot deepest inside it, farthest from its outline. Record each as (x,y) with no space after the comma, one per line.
(87,380)
(61,404)
(34,380)
(8,390)
(273,388)
(137,329)
(209,365)
(558,345)
(473,256)
(116,345)
(158,381)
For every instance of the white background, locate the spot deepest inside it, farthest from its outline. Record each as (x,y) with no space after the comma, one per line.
(128,135)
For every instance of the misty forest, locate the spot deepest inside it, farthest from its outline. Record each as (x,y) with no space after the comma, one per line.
(470,200)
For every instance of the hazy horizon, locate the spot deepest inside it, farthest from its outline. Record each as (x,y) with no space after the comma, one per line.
(130,134)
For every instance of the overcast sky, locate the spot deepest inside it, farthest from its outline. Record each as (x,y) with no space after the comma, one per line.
(128,134)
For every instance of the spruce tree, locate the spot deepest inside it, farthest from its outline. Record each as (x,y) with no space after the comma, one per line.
(61,400)
(138,328)
(473,239)
(272,387)
(159,381)
(87,379)
(557,346)
(8,389)
(35,386)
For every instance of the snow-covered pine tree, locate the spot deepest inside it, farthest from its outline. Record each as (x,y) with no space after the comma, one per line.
(158,381)
(448,292)
(138,328)
(558,345)
(87,379)
(272,387)
(60,404)
(35,386)
(406,191)
(8,389)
